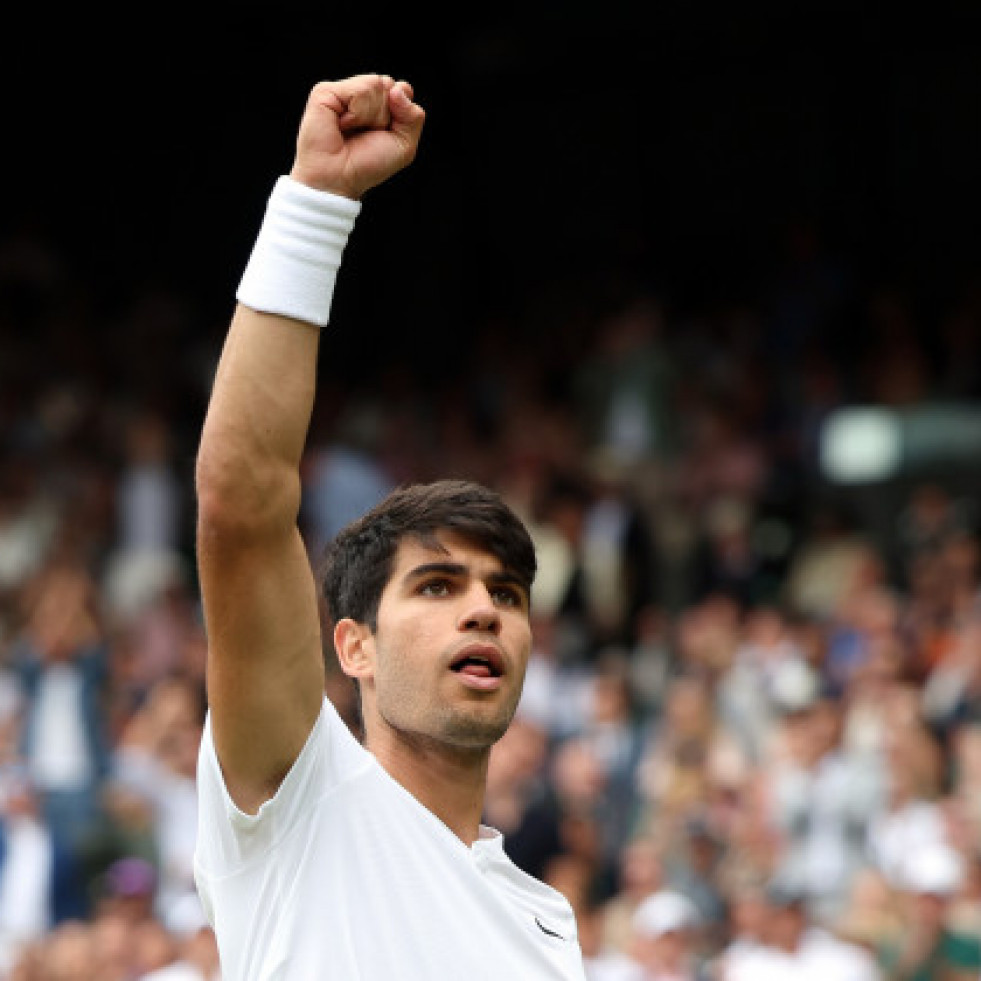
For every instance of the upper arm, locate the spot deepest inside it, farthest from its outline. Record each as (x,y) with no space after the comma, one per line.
(265,665)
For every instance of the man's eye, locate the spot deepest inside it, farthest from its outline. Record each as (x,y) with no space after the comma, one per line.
(435,587)
(508,596)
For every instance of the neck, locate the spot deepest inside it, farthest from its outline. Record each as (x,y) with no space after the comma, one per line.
(448,780)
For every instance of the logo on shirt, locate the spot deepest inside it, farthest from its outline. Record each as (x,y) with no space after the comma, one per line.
(547,930)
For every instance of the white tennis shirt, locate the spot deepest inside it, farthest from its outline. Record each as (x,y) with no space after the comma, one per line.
(345,876)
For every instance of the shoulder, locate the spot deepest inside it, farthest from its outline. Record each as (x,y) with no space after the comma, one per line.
(548,903)
(330,754)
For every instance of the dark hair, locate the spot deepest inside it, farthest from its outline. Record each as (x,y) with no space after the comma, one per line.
(358,563)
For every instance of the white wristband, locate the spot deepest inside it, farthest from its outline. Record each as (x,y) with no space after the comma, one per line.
(294,262)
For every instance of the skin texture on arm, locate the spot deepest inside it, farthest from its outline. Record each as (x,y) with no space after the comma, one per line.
(265,670)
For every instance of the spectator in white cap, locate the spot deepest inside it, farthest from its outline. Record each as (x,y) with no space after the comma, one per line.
(665,930)
(929,947)
(793,947)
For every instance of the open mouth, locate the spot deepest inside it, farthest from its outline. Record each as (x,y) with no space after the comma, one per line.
(479,663)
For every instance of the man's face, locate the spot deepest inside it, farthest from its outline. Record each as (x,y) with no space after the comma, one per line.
(450,649)
(785,926)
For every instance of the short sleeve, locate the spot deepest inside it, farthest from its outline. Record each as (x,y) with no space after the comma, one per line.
(228,838)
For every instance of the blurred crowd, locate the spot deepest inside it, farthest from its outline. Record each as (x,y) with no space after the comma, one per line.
(749,745)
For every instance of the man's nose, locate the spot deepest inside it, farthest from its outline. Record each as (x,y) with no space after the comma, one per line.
(480,612)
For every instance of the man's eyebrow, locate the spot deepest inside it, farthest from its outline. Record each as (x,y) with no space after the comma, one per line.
(429,568)
(505,578)
(501,578)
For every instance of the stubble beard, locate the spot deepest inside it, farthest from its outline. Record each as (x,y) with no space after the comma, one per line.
(471,723)
(473,730)
(466,729)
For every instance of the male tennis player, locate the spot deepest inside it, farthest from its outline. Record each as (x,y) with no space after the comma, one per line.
(320,856)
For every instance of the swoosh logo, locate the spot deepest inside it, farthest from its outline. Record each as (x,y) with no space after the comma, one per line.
(546,930)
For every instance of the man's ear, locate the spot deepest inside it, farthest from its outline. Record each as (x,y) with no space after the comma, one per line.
(355,648)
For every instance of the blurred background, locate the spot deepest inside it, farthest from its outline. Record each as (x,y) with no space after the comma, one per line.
(698,288)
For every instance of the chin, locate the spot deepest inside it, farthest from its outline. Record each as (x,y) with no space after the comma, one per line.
(469,732)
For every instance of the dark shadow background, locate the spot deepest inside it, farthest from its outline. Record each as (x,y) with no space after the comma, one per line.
(683,144)
(713,156)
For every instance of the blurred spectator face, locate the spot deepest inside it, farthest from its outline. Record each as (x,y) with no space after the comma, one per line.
(826,723)
(809,637)
(176,705)
(932,876)
(518,755)
(641,868)
(703,850)
(154,947)
(666,952)
(797,736)
(961,557)
(966,746)
(871,892)
(880,669)
(62,615)
(928,910)
(902,707)
(915,763)
(112,943)
(813,731)
(664,927)
(748,914)
(577,773)
(971,887)
(610,698)
(785,924)
(130,885)
(148,439)
(69,954)
(709,634)
(765,629)
(567,515)
(579,781)
(688,711)
(29,964)
(201,950)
